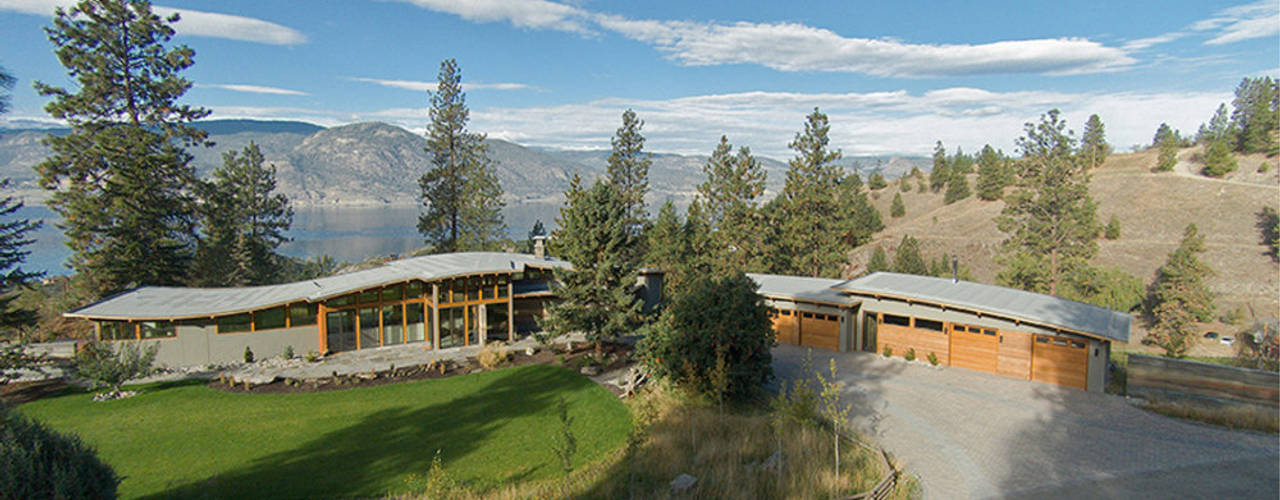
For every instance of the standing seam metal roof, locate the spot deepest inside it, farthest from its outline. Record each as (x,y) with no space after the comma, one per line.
(1027,306)
(802,289)
(179,302)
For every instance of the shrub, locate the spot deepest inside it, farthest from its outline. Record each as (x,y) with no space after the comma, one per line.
(311,356)
(877,181)
(36,462)
(897,209)
(493,355)
(1109,287)
(888,351)
(722,313)
(107,368)
(911,354)
(1112,230)
(248,354)
(933,359)
(288,352)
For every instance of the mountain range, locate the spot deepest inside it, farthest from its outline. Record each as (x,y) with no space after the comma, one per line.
(375,163)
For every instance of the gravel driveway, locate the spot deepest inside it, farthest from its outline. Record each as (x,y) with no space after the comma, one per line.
(973,435)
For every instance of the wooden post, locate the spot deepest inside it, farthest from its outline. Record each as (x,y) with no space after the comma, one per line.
(322,320)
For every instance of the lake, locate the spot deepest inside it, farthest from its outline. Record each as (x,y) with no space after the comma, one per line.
(344,233)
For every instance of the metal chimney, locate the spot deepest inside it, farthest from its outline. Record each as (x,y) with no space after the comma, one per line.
(955,270)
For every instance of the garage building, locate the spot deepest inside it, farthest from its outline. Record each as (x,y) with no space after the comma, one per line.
(1013,333)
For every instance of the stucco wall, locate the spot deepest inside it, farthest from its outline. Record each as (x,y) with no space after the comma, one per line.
(199,343)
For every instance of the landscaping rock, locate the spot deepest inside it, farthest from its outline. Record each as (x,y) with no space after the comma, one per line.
(590,371)
(530,351)
(113,395)
(682,483)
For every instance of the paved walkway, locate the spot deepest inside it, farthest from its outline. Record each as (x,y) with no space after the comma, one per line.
(974,435)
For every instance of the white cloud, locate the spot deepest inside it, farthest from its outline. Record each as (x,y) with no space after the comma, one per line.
(530,14)
(253,89)
(1143,43)
(421,86)
(192,22)
(1242,22)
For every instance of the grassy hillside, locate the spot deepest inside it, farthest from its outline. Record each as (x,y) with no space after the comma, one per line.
(1153,209)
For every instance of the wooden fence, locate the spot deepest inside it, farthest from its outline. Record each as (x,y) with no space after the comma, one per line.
(1157,377)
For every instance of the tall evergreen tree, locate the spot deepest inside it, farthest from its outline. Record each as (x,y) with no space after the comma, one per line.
(1051,219)
(1183,279)
(863,219)
(1257,114)
(907,258)
(121,179)
(1219,160)
(960,164)
(876,181)
(461,194)
(243,220)
(1167,143)
(993,174)
(629,165)
(15,237)
(897,209)
(596,295)
(809,210)
(879,261)
(940,174)
(668,245)
(730,198)
(1093,142)
(1219,127)
(957,188)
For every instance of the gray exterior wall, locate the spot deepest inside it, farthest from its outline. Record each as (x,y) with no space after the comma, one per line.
(200,344)
(847,326)
(1099,350)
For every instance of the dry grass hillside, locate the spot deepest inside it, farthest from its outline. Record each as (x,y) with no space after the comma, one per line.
(1153,209)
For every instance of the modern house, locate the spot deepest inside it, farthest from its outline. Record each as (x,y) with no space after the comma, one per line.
(989,328)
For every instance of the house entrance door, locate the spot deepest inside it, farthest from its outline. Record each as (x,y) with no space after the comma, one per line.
(340,329)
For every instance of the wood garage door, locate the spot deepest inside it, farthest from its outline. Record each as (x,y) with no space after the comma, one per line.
(974,348)
(1059,360)
(901,333)
(784,326)
(820,330)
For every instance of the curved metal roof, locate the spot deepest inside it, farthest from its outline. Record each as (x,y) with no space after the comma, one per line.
(181,302)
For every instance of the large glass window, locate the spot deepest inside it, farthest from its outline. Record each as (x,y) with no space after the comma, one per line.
(487,287)
(418,322)
(393,292)
(473,288)
(457,289)
(452,326)
(156,329)
(369,296)
(415,289)
(344,300)
(269,319)
(502,286)
(235,323)
(392,325)
(495,321)
(302,314)
(117,330)
(369,328)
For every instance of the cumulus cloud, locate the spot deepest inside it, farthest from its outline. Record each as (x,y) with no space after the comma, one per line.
(529,14)
(192,22)
(252,89)
(421,86)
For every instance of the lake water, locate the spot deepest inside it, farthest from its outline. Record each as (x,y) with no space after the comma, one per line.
(344,233)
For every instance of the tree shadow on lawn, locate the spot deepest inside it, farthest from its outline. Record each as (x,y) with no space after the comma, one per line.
(361,460)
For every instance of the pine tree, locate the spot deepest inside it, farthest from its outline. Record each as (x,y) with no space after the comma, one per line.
(863,219)
(879,261)
(597,294)
(1182,280)
(1051,219)
(960,164)
(897,209)
(121,179)
(1167,142)
(461,195)
(903,185)
(14,239)
(877,181)
(1219,127)
(667,242)
(730,198)
(1257,115)
(993,174)
(1093,143)
(243,220)
(808,211)
(940,174)
(1219,160)
(907,258)
(957,188)
(629,165)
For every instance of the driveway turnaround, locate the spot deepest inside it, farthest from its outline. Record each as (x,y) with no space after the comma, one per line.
(968,434)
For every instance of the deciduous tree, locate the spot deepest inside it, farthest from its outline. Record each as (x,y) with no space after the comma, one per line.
(461,195)
(121,180)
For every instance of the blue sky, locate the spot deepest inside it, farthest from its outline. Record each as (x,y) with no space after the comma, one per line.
(893,76)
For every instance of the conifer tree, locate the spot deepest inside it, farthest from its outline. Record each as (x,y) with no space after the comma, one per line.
(595,236)
(1112,230)
(960,164)
(629,165)
(243,220)
(1257,115)
(863,217)
(1219,127)
(907,258)
(667,242)
(897,209)
(730,199)
(1051,219)
(1167,142)
(879,261)
(903,185)
(1093,142)
(1219,160)
(1182,280)
(993,174)
(940,174)
(957,188)
(461,195)
(537,230)
(121,179)
(809,209)
(876,181)
(15,237)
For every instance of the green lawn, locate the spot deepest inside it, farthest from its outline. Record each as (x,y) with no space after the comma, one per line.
(184,441)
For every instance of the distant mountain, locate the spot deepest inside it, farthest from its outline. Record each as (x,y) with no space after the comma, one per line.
(375,163)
